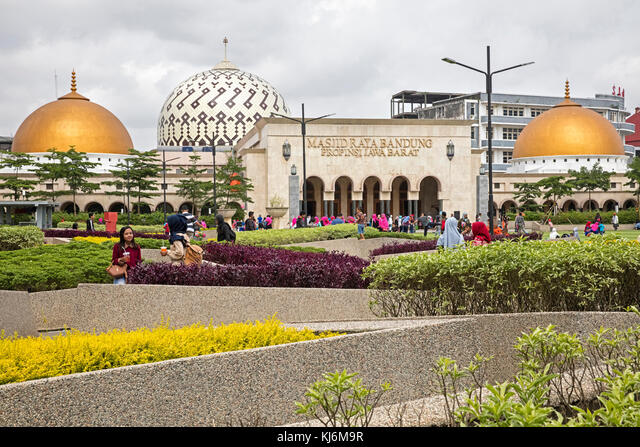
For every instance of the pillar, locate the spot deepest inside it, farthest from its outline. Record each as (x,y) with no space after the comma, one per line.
(294,196)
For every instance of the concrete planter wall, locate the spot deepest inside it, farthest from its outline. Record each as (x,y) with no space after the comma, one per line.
(264,383)
(102,307)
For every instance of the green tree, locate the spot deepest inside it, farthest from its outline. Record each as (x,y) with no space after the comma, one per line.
(555,188)
(77,171)
(16,161)
(591,179)
(231,184)
(633,174)
(526,194)
(192,189)
(50,172)
(138,173)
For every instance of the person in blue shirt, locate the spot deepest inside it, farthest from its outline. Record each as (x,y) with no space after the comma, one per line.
(338,220)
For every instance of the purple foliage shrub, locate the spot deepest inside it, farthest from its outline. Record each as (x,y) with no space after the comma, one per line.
(83,233)
(258,267)
(431,244)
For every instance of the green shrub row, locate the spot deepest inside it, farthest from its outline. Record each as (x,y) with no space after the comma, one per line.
(52,267)
(16,237)
(155,218)
(98,227)
(577,217)
(270,238)
(600,274)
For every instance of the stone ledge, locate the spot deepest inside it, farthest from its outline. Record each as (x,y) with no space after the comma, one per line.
(265,382)
(103,307)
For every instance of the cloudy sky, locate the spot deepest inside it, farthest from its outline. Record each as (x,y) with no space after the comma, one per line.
(337,56)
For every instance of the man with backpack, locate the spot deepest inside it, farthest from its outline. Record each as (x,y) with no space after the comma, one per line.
(179,240)
(250,223)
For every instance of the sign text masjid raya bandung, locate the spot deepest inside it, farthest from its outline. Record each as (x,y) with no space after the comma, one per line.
(368,146)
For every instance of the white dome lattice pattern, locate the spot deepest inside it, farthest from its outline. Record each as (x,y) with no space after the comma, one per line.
(226,101)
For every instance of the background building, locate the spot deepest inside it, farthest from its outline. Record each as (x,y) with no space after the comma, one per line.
(511,113)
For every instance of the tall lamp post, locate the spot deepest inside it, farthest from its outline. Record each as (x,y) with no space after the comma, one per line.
(303,124)
(164,183)
(128,201)
(488,74)
(213,154)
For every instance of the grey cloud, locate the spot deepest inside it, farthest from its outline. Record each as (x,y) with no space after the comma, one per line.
(346,57)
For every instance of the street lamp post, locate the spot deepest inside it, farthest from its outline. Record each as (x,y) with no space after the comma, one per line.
(213,155)
(488,75)
(164,183)
(303,124)
(128,201)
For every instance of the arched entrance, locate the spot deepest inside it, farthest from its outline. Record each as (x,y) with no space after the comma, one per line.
(399,196)
(428,202)
(117,207)
(141,208)
(371,196)
(160,207)
(570,205)
(343,202)
(94,207)
(67,207)
(590,205)
(315,191)
(509,206)
(609,205)
(629,204)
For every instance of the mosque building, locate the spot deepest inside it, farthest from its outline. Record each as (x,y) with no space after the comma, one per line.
(392,166)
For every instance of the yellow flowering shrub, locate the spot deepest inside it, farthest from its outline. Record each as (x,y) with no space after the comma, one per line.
(96,239)
(30,358)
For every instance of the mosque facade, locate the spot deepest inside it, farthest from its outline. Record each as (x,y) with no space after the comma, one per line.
(390,166)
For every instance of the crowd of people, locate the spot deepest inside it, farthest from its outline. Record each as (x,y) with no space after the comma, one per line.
(450,231)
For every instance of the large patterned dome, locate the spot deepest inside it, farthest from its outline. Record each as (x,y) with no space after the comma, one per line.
(223,100)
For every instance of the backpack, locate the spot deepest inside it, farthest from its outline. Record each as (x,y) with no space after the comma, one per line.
(193,255)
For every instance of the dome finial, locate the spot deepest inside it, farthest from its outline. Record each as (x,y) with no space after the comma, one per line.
(73,80)
(225,64)
(566,89)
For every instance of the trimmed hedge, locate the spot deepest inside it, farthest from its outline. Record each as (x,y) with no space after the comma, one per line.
(578,217)
(139,228)
(601,274)
(32,358)
(16,238)
(258,267)
(52,267)
(432,244)
(82,233)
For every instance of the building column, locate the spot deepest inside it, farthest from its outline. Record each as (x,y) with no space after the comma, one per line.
(331,211)
(294,196)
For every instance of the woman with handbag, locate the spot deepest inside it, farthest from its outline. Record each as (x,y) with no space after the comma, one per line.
(126,255)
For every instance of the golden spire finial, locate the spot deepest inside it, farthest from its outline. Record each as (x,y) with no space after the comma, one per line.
(73,80)
(225,42)
(566,90)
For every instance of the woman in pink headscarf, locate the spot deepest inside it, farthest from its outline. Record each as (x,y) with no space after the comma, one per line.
(374,221)
(384,223)
(325,221)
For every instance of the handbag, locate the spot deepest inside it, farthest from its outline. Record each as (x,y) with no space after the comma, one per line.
(117,271)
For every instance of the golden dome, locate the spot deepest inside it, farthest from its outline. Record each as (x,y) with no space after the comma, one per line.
(568,129)
(72,120)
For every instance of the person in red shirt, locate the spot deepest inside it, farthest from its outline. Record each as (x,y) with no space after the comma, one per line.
(127,251)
